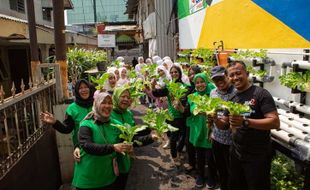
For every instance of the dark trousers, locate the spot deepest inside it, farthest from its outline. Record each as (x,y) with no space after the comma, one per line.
(203,155)
(249,174)
(221,156)
(191,153)
(121,181)
(177,138)
(109,187)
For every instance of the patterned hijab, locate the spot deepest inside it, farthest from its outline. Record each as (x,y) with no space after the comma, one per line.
(95,113)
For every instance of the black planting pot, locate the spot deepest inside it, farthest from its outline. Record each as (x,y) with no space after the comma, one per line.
(101,66)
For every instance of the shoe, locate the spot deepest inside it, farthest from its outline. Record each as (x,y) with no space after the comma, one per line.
(199,181)
(166,145)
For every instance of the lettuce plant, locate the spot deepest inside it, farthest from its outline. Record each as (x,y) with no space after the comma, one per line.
(156,120)
(176,90)
(101,81)
(206,105)
(128,132)
(295,79)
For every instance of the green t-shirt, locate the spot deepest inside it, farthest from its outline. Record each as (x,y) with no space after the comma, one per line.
(77,113)
(124,161)
(94,171)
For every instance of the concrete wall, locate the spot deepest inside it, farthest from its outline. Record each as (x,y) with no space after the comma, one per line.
(5,9)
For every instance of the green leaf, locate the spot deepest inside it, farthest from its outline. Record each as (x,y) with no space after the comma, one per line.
(156,120)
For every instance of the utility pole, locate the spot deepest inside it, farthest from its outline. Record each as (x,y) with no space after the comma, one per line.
(33,40)
(95,11)
(60,43)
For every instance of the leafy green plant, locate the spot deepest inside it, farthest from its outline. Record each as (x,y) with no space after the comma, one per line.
(101,81)
(116,63)
(80,60)
(205,54)
(128,132)
(295,79)
(182,60)
(176,90)
(204,104)
(259,73)
(284,175)
(156,120)
(150,68)
(235,108)
(244,54)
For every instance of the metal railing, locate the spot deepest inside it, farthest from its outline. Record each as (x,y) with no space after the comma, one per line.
(20,125)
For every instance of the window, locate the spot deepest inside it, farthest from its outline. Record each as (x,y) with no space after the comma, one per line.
(17,5)
(46,14)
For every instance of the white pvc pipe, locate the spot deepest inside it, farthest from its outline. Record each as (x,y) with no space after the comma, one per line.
(299,107)
(291,130)
(294,116)
(288,53)
(302,64)
(281,135)
(281,101)
(296,124)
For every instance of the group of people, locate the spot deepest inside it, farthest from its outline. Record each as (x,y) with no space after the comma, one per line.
(236,149)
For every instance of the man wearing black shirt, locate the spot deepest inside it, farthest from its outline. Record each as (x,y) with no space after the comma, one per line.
(251,149)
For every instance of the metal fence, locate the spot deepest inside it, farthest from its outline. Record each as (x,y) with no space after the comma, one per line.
(20,126)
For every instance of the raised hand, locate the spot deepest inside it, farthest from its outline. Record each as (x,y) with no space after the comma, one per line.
(47,118)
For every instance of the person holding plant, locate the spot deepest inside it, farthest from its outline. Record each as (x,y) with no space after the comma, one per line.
(123,77)
(199,134)
(75,113)
(250,158)
(176,109)
(221,134)
(99,142)
(106,85)
(121,102)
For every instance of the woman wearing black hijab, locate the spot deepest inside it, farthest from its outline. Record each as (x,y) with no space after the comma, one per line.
(76,111)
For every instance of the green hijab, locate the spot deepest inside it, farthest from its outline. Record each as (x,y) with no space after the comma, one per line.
(209,85)
(116,96)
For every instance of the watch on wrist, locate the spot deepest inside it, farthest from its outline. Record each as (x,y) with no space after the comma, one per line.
(245,122)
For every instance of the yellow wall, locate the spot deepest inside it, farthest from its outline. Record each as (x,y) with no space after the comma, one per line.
(243,24)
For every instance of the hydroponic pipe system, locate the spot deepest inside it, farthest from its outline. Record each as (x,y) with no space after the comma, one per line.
(296,117)
(299,107)
(299,147)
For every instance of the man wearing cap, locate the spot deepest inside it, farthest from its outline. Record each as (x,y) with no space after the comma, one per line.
(250,156)
(221,134)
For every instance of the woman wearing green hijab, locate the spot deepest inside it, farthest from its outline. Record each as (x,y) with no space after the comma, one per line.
(199,134)
(121,102)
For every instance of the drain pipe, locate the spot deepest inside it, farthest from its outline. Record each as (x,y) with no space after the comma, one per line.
(299,107)
(296,117)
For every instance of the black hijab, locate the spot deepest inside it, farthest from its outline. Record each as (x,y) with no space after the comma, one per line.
(78,99)
(179,71)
